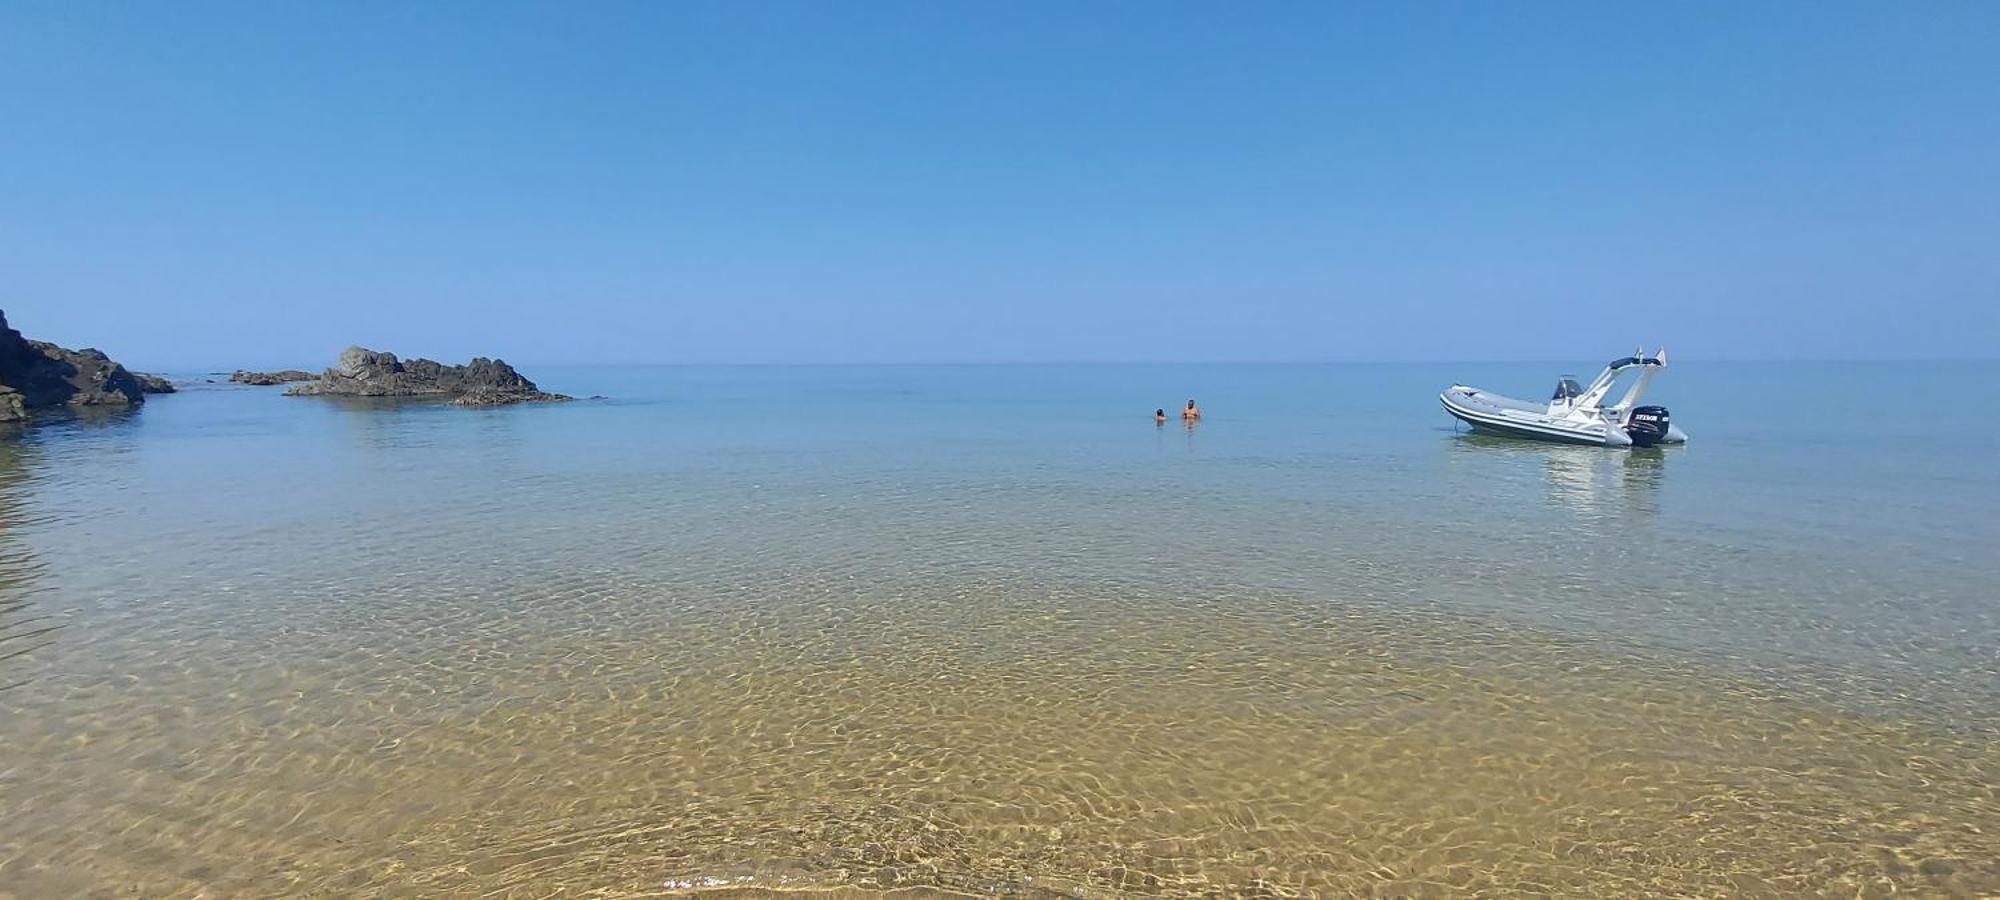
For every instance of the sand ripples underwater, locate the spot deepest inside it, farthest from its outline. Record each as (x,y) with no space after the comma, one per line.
(1007,738)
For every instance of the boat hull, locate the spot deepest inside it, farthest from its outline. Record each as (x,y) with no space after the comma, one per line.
(1509,422)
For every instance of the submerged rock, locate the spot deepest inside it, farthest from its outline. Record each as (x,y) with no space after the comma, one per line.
(491,397)
(369,373)
(154,384)
(40,375)
(282,376)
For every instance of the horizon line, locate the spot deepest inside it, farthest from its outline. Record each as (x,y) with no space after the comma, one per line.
(208,370)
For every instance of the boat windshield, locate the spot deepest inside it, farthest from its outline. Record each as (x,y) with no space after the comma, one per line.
(1567,389)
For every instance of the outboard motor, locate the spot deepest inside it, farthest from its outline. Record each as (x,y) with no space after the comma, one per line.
(1647,425)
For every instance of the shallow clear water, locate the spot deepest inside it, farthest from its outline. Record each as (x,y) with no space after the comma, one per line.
(987,629)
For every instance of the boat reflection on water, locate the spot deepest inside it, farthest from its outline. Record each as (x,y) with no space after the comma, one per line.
(22,630)
(1585,480)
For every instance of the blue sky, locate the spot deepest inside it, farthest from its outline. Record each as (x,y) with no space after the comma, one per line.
(196,185)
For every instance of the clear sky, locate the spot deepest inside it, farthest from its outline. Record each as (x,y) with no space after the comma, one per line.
(212,185)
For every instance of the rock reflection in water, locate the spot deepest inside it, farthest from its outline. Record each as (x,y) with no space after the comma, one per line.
(22,629)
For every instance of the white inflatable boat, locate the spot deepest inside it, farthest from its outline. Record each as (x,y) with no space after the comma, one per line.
(1576,414)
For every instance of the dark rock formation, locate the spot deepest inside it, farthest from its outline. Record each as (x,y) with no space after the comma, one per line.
(40,375)
(367,373)
(154,384)
(283,376)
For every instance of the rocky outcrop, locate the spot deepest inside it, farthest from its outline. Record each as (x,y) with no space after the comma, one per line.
(282,376)
(369,373)
(40,375)
(154,384)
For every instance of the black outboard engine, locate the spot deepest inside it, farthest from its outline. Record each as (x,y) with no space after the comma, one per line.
(1647,425)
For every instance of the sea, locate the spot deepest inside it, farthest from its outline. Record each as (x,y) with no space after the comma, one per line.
(990,630)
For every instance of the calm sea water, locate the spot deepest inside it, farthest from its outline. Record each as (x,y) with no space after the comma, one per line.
(989,630)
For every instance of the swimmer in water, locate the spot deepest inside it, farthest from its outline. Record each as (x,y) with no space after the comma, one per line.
(1192,412)
(1160,416)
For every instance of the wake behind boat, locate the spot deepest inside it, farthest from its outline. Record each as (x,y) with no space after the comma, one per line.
(1576,414)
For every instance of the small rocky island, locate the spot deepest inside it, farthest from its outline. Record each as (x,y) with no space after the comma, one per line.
(282,376)
(39,375)
(369,373)
(154,384)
